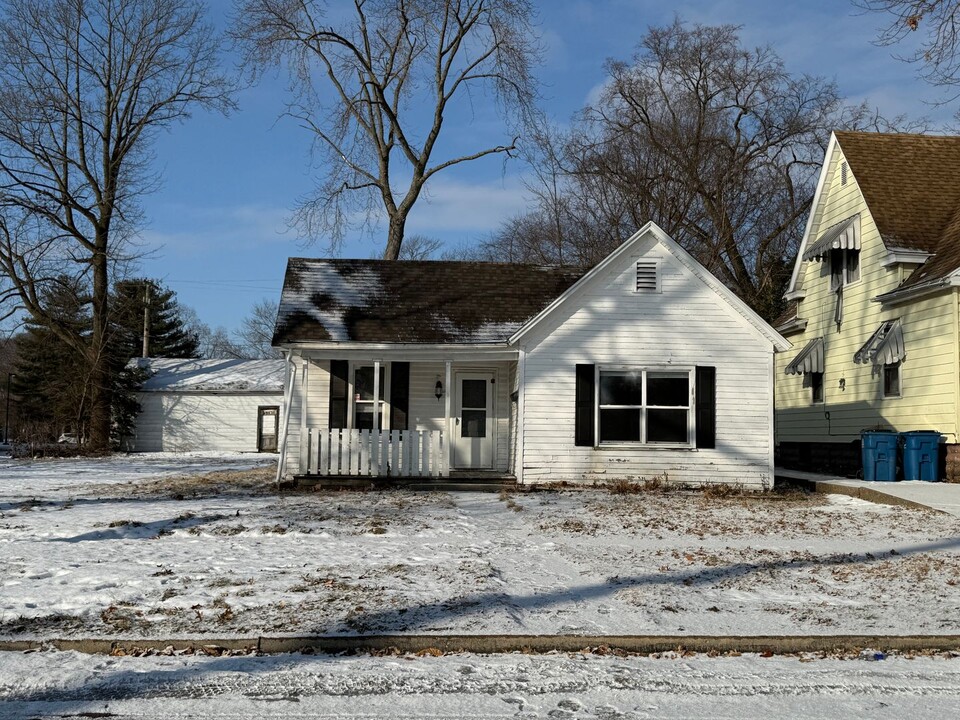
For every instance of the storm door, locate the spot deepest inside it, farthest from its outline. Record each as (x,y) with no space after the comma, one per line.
(473,421)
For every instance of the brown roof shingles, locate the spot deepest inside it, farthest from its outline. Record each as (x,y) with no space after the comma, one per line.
(434,302)
(788,315)
(911,183)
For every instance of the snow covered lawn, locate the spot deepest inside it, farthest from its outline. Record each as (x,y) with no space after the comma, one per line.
(557,686)
(132,547)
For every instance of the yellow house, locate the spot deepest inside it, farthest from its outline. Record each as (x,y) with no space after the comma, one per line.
(874,305)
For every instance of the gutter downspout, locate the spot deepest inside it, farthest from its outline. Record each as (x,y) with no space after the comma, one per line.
(287,396)
(956,368)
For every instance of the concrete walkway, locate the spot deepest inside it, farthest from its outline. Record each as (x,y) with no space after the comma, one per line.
(944,497)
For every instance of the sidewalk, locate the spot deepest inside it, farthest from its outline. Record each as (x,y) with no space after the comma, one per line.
(944,497)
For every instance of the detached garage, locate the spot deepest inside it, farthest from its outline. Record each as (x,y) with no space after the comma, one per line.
(227,405)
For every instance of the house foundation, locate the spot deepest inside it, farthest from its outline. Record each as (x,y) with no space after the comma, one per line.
(840,459)
(846,459)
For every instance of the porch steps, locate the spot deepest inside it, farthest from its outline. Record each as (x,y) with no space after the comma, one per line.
(456,482)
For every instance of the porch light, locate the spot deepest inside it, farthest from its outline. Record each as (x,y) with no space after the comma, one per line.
(438,389)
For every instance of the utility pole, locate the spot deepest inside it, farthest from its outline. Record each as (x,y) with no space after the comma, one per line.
(146,319)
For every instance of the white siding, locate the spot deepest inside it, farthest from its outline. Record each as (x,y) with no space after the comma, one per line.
(425,412)
(181,422)
(685,325)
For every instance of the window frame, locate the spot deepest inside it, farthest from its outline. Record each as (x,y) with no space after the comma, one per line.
(845,255)
(352,394)
(814,400)
(898,367)
(690,408)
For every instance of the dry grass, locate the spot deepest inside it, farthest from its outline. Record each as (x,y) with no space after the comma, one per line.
(257,481)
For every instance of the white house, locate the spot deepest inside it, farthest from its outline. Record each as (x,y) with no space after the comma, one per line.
(228,405)
(644,366)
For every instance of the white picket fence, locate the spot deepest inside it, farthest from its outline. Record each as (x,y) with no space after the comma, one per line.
(393,453)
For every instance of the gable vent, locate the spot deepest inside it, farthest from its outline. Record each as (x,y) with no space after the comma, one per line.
(648,276)
(843,173)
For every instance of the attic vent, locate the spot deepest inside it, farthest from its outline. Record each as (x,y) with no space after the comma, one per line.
(843,173)
(648,276)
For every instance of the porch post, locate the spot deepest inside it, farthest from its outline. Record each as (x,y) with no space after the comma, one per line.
(448,447)
(521,413)
(289,374)
(304,382)
(375,445)
(376,396)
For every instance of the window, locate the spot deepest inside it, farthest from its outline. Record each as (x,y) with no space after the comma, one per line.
(363,397)
(645,406)
(844,267)
(816,387)
(891,380)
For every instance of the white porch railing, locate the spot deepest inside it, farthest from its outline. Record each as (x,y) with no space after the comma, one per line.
(393,453)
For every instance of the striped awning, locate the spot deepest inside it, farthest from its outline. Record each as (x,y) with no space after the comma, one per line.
(885,346)
(844,235)
(808,360)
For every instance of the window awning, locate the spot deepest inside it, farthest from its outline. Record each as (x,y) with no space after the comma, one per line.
(845,235)
(808,360)
(885,346)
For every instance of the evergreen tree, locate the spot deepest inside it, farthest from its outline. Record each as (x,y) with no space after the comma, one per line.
(168,334)
(52,377)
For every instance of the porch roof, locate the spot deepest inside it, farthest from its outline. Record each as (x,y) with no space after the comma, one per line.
(413,302)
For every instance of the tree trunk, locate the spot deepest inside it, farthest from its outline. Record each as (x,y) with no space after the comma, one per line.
(395,236)
(100,380)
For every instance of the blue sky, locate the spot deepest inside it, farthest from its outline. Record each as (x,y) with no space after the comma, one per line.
(216,231)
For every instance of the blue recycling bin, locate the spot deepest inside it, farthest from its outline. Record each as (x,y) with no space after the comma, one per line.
(921,455)
(879,455)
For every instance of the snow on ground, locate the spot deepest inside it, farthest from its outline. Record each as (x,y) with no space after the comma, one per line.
(558,686)
(129,547)
(23,479)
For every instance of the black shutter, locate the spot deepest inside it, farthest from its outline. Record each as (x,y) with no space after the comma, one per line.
(584,431)
(399,394)
(339,382)
(706,407)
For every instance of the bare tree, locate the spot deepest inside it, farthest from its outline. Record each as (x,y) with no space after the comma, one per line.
(84,87)
(938,21)
(386,79)
(255,335)
(420,247)
(717,143)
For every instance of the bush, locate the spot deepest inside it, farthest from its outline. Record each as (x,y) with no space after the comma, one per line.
(624,486)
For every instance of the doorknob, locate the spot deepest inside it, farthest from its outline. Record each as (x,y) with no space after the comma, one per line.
(458,421)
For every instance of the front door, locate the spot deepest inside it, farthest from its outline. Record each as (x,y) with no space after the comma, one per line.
(473,422)
(268,426)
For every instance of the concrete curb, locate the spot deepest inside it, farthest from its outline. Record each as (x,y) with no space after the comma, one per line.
(492,644)
(869,494)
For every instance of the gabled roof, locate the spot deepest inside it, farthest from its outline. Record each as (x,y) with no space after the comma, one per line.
(433,302)
(911,184)
(733,303)
(189,375)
